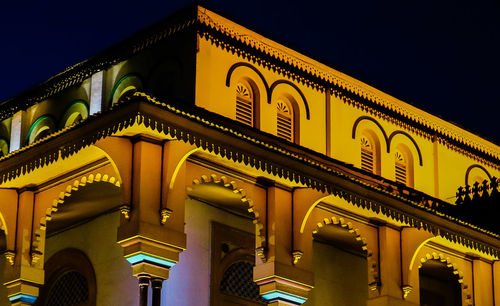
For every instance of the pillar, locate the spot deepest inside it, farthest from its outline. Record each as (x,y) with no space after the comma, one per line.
(150,243)
(281,281)
(483,282)
(496,281)
(23,274)
(392,291)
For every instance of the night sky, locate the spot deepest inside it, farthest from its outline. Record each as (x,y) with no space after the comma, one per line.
(442,56)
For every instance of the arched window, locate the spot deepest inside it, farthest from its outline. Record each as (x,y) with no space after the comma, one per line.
(69,280)
(367,154)
(284,120)
(4,147)
(244,104)
(42,127)
(401,168)
(403,165)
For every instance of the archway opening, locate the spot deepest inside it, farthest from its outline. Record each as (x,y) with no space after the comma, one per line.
(439,285)
(339,267)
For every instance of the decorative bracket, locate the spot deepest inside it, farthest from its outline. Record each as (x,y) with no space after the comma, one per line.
(297,255)
(165,213)
(261,252)
(125,210)
(373,286)
(10,255)
(406,290)
(35,257)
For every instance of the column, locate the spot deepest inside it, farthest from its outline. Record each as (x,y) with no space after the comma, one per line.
(281,280)
(16,131)
(391,290)
(483,282)
(143,289)
(156,284)
(23,275)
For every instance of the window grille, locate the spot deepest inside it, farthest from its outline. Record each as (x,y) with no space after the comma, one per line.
(366,155)
(238,280)
(284,121)
(400,168)
(244,104)
(70,289)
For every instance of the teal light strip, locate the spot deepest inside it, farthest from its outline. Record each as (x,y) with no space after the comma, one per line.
(278,295)
(21,297)
(135,259)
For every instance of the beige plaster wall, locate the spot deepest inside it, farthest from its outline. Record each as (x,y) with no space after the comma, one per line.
(97,239)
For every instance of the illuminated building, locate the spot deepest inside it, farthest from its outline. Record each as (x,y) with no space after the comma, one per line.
(203,154)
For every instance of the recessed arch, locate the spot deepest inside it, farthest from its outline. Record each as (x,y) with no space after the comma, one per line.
(342,224)
(75,112)
(467,172)
(242,64)
(358,121)
(128,82)
(450,264)
(4,147)
(41,128)
(304,101)
(410,138)
(243,199)
(65,195)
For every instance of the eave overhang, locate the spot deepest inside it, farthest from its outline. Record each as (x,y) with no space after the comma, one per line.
(270,55)
(261,151)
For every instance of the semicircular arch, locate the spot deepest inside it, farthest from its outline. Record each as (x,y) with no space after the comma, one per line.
(75,112)
(249,71)
(471,168)
(296,89)
(65,194)
(41,128)
(411,143)
(374,123)
(245,201)
(361,242)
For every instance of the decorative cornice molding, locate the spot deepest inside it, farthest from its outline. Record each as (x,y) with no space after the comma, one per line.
(215,134)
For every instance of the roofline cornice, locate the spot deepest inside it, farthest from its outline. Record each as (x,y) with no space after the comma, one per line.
(221,136)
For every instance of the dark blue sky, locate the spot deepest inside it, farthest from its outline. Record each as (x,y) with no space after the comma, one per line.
(442,56)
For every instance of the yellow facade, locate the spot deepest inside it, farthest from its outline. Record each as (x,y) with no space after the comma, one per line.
(202,163)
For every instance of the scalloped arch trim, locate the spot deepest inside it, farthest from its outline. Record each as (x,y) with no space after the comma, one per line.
(232,186)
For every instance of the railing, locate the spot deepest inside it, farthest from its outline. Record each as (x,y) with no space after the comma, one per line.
(479,204)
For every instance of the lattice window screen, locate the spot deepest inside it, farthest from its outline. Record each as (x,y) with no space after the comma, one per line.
(238,280)
(70,289)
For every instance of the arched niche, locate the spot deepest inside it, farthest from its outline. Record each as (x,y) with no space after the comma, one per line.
(369,144)
(75,112)
(164,81)
(41,128)
(283,97)
(4,147)
(127,83)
